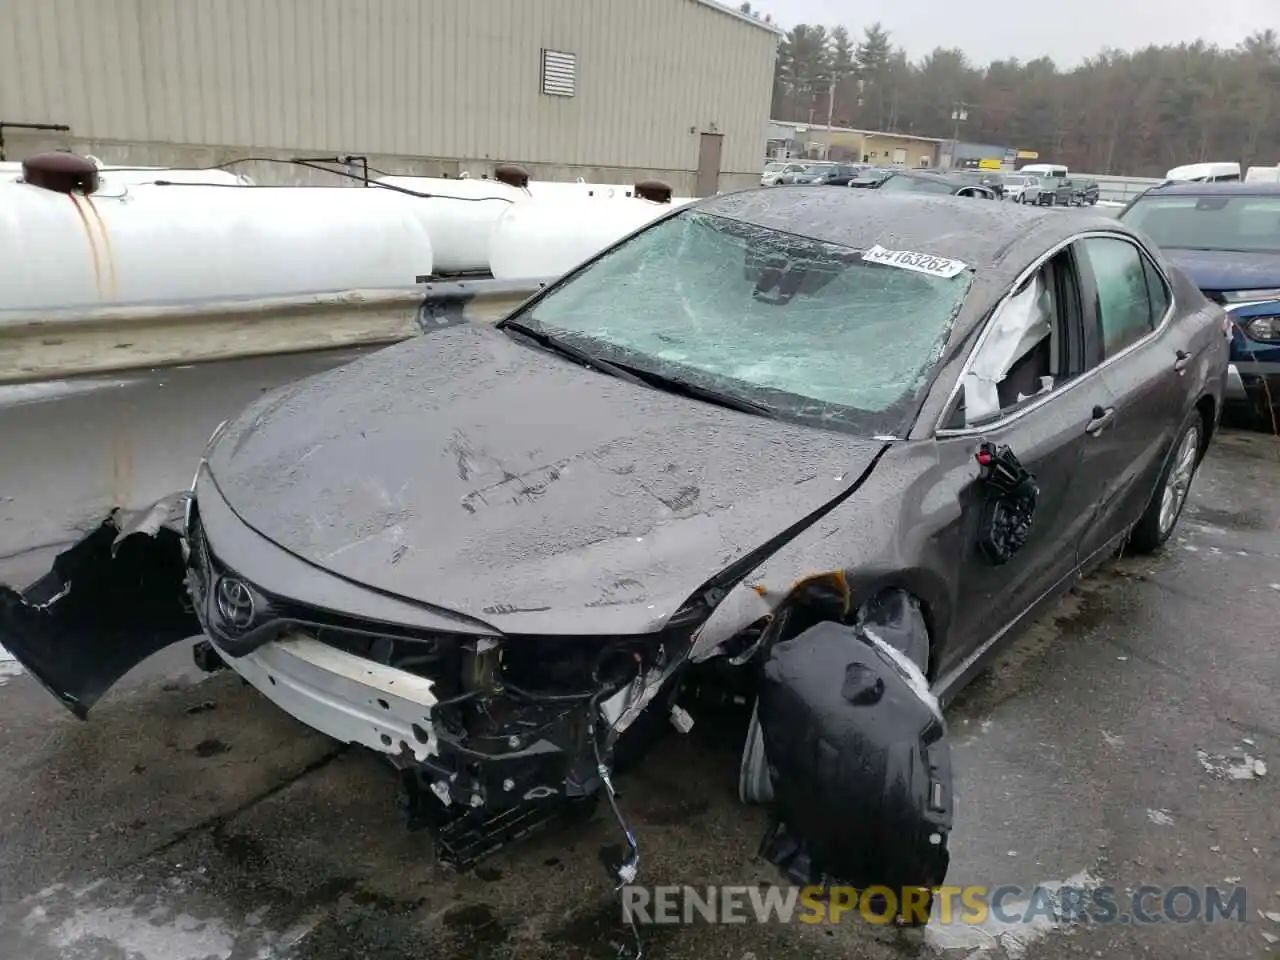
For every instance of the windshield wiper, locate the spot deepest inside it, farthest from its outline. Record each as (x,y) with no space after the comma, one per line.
(637,375)
(698,392)
(573,353)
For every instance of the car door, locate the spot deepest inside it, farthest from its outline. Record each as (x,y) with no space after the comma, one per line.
(1143,357)
(1047,424)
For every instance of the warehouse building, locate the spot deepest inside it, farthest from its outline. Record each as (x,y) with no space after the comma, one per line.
(787,139)
(611,91)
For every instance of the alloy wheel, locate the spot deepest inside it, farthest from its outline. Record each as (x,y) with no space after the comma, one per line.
(1178,482)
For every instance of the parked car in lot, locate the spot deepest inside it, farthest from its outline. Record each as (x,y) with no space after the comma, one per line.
(984,178)
(872,177)
(1019,188)
(1056,192)
(1085,192)
(845,443)
(806,174)
(914,182)
(1226,237)
(772,171)
(836,175)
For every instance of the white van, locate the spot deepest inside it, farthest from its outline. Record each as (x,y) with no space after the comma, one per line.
(1206,173)
(1055,170)
(1263,174)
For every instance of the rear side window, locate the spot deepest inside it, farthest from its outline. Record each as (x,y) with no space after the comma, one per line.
(1157,292)
(1124,305)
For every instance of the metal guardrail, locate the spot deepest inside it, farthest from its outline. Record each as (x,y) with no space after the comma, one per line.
(109,339)
(1118,189)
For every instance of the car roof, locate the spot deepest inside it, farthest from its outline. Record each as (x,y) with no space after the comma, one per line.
(1190,188)
(979,234)
(919,175)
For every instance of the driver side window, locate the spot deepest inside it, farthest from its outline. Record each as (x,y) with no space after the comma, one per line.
(1032,346)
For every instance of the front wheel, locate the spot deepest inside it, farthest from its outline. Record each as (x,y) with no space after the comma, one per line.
(1170,496)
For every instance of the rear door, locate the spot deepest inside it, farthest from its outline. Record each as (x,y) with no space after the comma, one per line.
(1144,361)
(1030,388)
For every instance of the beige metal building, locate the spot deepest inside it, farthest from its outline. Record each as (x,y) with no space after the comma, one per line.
(607,90)
(867,146)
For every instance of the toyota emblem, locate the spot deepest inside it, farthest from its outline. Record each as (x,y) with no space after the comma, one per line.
(235,603)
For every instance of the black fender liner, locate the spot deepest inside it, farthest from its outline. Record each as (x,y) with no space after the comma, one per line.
(859,761)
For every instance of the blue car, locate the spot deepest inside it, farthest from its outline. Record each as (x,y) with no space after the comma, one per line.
(1226,238)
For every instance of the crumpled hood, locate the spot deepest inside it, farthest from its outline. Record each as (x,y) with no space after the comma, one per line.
(1222,270)
(476,473)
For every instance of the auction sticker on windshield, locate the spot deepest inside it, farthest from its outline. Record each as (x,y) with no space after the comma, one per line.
(919,262)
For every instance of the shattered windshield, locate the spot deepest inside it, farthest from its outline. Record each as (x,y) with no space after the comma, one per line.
(1226,223)
(810,330)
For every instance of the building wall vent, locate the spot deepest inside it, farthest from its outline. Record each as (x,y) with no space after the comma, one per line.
(559,73)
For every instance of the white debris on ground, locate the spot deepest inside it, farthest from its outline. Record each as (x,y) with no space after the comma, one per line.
(145,926)
(1238,766)
(9,666)
(1160,818)
(1013,937)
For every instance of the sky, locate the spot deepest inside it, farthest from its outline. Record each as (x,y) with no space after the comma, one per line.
(1028,30)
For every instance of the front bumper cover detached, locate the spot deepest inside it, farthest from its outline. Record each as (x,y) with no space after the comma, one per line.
(853,743)
(109,602)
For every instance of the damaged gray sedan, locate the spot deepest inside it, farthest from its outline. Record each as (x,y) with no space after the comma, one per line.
(841,443)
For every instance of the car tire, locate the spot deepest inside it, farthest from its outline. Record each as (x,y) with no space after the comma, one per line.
(1169,498)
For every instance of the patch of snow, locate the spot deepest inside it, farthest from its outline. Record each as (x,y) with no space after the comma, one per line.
(155,935)
(9,666)
(1160,818)
(1232,767)
(1016,935)
(50,389)
(145,923)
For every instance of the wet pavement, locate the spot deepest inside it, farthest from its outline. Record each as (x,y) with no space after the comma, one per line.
(189,819)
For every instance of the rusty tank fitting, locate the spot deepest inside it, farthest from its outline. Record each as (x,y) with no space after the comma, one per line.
(511,174)
(61,172)
(656,190)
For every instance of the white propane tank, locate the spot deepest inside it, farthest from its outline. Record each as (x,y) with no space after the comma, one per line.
(460,228)
(580,189)
(545,237)
(157,244)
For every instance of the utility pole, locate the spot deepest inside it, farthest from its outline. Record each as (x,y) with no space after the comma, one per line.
(959,114)
(831,112)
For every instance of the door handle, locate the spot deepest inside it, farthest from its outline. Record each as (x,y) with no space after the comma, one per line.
(1182,362)
(1101,419)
